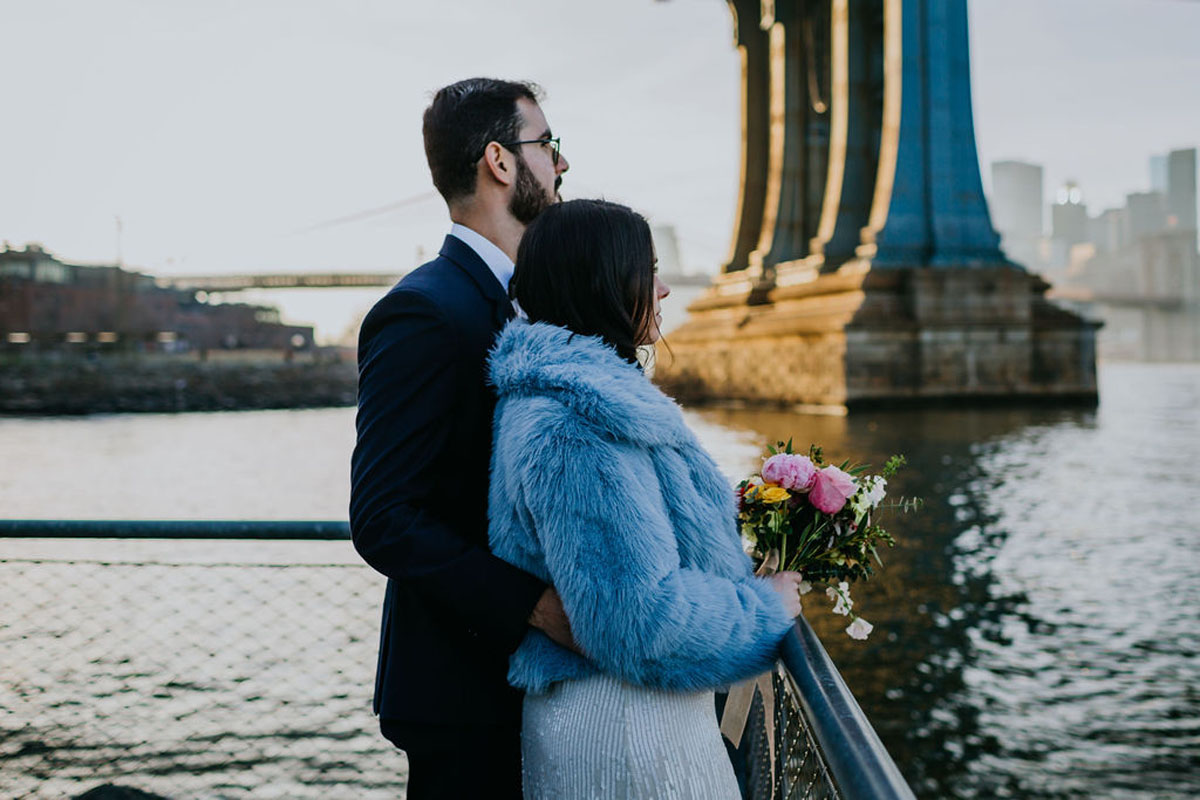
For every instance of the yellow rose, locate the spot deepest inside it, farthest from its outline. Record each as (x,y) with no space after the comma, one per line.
(775,494)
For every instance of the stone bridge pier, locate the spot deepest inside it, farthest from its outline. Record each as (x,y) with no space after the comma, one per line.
(864,268)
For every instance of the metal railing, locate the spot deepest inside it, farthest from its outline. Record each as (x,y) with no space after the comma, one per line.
(834,726)
(235,659)
(300,530)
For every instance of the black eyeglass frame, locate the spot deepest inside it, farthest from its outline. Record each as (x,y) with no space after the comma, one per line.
(555,143)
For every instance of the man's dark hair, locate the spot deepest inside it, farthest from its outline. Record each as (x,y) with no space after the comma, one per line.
(461,120)
(588,266)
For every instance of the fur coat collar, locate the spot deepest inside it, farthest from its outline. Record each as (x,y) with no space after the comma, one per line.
(588,377)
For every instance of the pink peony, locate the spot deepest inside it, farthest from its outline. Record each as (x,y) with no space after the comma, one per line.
(789,471)
(831,489)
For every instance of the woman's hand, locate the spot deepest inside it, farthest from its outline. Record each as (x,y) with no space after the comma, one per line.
(787,586)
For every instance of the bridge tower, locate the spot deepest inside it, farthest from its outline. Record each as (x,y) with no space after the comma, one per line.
(863,266)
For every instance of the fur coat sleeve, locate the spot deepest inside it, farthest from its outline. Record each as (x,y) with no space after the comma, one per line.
(599,488)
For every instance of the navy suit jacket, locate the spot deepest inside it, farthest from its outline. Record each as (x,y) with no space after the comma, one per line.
(453,612)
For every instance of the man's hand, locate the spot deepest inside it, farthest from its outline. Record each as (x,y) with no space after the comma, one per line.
(548,617)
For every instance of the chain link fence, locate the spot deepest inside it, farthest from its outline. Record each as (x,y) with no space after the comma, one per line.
(187,676)
(234,669)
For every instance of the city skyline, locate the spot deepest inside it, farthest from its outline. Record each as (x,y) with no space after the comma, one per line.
(1076,191)
(1133,266)
(1024,208)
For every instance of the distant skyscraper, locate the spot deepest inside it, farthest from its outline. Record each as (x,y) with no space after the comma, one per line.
(1017,198)
(1109,230)
(1181,189)
(1158,174)
(1068,216)
(1146,213)
(1017,204)
(666,249)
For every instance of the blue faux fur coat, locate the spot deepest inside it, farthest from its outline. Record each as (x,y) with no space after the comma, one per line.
(599,487)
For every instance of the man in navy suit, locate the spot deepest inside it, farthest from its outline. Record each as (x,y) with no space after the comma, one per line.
(453,612)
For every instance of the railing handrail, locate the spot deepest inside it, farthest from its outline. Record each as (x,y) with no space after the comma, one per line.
(859,763)
(312,530)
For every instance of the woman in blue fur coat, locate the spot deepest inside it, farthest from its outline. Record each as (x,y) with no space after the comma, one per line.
(599,487)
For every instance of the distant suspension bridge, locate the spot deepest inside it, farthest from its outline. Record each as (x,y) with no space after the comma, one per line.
(214,284)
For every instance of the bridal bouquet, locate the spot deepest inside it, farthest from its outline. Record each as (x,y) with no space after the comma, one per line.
(800,513)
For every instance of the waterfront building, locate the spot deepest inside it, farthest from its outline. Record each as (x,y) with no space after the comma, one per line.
(1017,202)
(1108,230)
(1146,214)
(1068,216)
(1165,324)
(47,304)
(1181,189)
(1170,270)
(1158,174)
(666,248)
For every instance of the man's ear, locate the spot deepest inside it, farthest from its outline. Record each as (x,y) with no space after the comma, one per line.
(499,164)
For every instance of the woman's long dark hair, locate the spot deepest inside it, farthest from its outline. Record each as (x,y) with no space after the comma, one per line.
(588,266)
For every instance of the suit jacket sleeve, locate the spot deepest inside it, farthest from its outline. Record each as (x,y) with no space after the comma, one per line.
(410,374)
(599,514)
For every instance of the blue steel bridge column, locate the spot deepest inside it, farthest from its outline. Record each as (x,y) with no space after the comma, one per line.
(875,275)
(929,208)
(855,107)
(962,228)
(751,41)
(799,130)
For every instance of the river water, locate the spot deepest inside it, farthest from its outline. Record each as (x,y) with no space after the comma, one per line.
(1036,628)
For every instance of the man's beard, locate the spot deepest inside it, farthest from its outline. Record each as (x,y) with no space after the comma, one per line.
(529,198)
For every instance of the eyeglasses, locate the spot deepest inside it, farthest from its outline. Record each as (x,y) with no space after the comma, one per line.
(555,146)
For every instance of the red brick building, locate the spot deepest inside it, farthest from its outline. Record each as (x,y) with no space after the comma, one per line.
(47,304)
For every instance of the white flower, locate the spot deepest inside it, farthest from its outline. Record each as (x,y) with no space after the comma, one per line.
(858,504)
(804,587)
(841,598)
(876,492)
(871,492)
(859,629)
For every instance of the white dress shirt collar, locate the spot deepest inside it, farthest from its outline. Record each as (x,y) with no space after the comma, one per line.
(495,258)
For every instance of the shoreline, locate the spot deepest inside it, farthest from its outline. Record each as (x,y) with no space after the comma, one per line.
(79,386)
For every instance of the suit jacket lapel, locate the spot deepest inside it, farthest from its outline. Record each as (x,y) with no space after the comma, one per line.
(462,256)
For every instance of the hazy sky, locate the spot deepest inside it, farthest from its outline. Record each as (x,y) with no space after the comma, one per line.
(220,130)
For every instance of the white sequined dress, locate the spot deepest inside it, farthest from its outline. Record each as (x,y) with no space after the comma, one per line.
(598,737)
